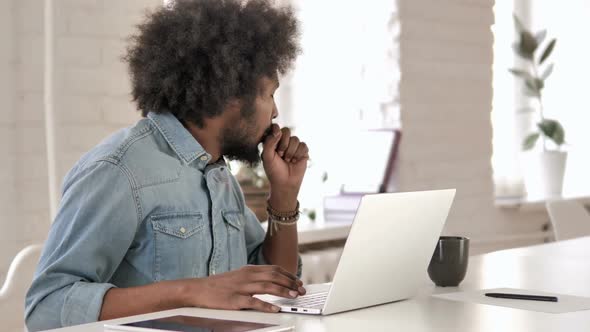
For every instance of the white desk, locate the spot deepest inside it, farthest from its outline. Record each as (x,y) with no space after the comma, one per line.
(537,203)
(562,267)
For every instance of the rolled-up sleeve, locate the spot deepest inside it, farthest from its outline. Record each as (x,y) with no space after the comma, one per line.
(254,239)
(95,225)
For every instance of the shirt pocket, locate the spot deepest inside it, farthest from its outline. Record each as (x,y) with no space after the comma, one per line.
(236,239)
(181,248)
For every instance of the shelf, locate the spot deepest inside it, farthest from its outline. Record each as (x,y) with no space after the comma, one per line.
(319,231)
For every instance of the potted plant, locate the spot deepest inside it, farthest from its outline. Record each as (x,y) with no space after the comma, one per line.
(545,167)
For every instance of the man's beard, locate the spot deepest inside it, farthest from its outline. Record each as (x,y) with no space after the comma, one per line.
(238,143)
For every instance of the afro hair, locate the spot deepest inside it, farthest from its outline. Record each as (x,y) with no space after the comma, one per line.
(193,56)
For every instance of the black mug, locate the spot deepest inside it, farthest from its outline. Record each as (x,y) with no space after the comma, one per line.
(448,265)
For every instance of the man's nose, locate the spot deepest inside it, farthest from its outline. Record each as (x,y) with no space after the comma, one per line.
(275,111)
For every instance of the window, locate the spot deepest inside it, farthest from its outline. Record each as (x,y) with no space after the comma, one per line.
(564,95)
(344,83)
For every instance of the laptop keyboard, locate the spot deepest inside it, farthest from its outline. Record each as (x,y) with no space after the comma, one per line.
(315,300)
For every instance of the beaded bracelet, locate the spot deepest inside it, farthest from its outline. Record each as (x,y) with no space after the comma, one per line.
(277,218)
(276,213)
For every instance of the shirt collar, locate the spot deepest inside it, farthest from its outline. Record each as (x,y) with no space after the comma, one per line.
(179,138)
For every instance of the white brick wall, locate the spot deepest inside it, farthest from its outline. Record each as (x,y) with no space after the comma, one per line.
(91,101)
(446,95)
(92,87)
(118,111)
(77,110)
(80,52)
(28,107)
(8,122)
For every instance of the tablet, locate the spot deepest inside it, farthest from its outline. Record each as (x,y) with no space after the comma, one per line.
(195,324)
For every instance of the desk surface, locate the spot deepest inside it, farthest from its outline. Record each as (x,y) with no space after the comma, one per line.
(560,267)
(538,203)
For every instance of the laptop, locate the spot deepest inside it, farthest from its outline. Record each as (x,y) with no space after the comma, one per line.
(385,257)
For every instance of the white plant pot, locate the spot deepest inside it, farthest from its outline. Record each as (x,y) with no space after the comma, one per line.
(543,173)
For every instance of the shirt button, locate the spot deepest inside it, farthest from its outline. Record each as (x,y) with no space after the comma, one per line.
(182,230)
(204,158)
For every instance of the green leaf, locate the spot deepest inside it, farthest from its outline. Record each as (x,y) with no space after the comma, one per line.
(520,73)
(547,127)
(531,92)
(529,141)
(518,23)
(519,52)
(559,136)
(547,51)
(534,86)
(528,43)
(540,36)
(547,72)
(552,130)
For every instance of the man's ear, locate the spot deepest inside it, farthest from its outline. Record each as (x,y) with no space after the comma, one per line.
(234,106)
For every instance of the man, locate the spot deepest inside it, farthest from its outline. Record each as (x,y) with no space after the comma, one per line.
(151,219)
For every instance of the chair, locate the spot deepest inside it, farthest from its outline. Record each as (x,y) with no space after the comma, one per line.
(18,281)
(569,219)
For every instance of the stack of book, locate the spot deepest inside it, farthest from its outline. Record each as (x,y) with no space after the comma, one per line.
(342,207)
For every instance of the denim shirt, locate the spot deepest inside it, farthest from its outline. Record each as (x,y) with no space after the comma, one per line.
(143,206)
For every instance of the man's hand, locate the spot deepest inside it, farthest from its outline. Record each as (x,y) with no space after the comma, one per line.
(235,289)
(284,158)
(230,290)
